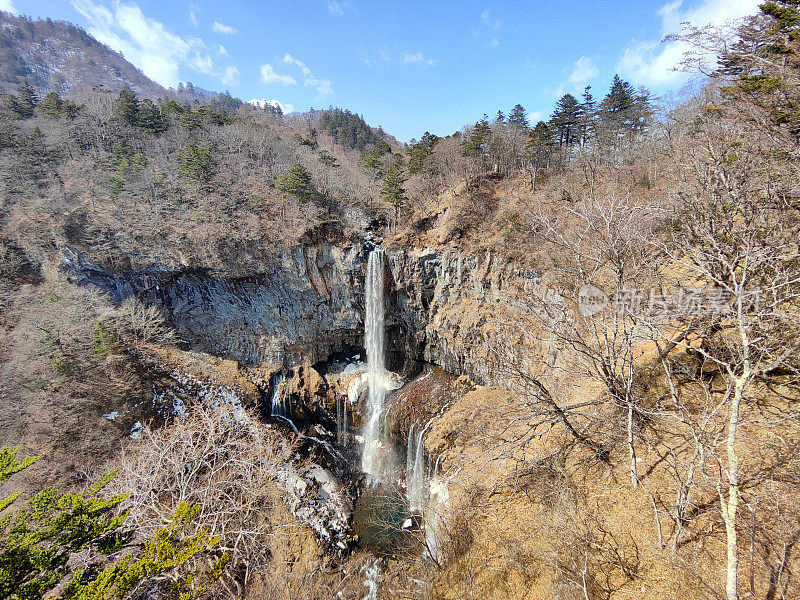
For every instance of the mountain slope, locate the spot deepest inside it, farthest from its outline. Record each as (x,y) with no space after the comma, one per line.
(60,56)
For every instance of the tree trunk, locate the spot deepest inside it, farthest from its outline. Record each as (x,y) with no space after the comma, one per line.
(632,448)
(731,504)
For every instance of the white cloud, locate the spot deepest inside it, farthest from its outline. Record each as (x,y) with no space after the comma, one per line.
(223,50)
(338,7)
(268,75)
(220,27)
(8,6)
(193,10)
(145,42)
(488,21)
(649,62)
(381,55)
(490,27)
(418,58)
(290,60)
(323,86)
(284,106)
(583,70)
(231,76)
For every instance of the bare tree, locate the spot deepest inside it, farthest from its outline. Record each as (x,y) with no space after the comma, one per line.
(223,463)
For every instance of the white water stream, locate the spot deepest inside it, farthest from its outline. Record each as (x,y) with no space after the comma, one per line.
(280,403)
(371,462)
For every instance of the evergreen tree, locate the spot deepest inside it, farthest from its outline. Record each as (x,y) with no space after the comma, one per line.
(328,159)
(617,108)
(566,119)
(25,101)
(475,144)
(392,190)
(51,105)
(588,121)
(420,150)
(517,117)
(127,107)
(195,163)
(296,180)
(38,540)
(372,163)
(150,118)
(766,62)
(500,117)
(350,130)
(538,149)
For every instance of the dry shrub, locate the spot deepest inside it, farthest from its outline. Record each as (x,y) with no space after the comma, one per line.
(221,461)
(12,260)
(57,382)
(139,323)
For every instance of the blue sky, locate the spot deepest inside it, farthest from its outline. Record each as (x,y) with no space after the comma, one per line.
(408,66)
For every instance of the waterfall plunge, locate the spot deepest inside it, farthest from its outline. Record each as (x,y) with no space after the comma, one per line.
(376,369)
(279,405)
(416,479)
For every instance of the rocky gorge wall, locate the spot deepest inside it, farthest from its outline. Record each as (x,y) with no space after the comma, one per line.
(306,304)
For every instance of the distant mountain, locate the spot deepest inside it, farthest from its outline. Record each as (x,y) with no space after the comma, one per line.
(60,56)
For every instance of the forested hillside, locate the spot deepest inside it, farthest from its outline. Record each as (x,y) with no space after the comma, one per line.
(594,320)
(61,57)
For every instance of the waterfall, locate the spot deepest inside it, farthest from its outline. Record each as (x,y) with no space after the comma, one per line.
(280,405)
(341,419)
(416,476)
(376,369)
(435,513)
(410,457)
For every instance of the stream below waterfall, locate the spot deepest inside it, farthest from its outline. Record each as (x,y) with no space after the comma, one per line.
(377,424)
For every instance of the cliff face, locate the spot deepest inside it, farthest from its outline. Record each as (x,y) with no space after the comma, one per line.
(446,304)
(307,304)
(303,306)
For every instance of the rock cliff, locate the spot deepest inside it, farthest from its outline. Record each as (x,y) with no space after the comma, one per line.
(306,304)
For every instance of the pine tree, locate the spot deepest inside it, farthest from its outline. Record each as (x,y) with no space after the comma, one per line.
(195,163)
(328,159)
(127,107)
(420,150)
(25,101)
(393,191)
(475,144)
(617,108)
(538,149)
(296,181)
(517,117)
(38,540)
(766,61)
(565,120)
(51,105)
(150,119)
(588,121)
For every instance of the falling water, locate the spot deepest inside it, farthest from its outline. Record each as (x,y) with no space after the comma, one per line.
(376,370)
(280,405)
(416,479)
(435,513)
(410,458)
(341,419)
